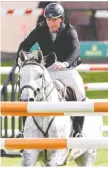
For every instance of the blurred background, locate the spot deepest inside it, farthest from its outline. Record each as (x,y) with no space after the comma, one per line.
(89,18)
(18,19)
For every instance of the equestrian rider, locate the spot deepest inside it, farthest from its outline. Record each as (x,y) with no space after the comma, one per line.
(53,35)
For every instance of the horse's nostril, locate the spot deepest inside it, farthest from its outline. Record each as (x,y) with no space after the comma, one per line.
(31,99)
(38,89)
(23,100)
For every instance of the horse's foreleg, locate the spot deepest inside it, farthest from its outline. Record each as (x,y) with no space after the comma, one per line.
(29,157)
(58,158)
(86,159)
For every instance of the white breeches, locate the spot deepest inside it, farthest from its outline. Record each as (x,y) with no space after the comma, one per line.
(71,78)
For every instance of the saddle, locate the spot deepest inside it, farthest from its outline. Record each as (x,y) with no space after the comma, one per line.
(68,94)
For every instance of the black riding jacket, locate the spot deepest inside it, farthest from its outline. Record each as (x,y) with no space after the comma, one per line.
(66,45)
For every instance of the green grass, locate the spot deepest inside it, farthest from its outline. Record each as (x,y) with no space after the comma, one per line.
(102,158)
(97,94)
(102,155)
(17,161)
(3,78)
(7,63)
(94,77)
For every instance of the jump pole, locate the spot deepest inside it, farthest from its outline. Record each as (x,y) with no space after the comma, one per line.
(53,143)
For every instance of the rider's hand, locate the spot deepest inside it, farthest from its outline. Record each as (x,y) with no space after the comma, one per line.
(60,65)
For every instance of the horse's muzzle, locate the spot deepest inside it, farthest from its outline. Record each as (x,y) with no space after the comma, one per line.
(25,100)
(31,99)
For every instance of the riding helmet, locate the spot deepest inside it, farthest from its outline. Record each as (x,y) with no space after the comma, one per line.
(54,10)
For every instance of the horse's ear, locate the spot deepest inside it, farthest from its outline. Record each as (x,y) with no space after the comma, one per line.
(40,56)
(22,56)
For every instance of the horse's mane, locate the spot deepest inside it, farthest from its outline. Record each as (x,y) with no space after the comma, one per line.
(37,56)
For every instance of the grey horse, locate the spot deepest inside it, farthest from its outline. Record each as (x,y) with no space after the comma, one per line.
(36,85)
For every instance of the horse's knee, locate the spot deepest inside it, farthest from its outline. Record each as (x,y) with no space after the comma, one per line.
(47,164)
(28,159)
(26,162)
(59,158)
(86,159)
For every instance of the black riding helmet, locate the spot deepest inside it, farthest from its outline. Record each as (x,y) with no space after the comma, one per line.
(54,10)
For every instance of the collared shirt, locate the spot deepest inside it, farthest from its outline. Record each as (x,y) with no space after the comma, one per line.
(53,35)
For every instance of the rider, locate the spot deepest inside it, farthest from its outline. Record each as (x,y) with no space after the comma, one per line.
(53,35)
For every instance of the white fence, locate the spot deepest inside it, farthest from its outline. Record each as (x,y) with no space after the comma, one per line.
(87,86)
(80,68)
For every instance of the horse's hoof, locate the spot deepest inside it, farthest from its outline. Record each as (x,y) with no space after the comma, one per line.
(47,164)
(51,164)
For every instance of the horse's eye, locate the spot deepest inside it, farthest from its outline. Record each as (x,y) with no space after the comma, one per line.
(40,76)
(19,77)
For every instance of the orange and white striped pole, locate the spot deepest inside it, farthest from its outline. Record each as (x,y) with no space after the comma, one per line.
(96,86)
(53,143)
(29,11)
(54,108)
(92,67)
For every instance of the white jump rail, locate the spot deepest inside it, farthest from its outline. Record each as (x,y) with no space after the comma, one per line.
(53,143)
(55,108)
(87,86)
(80,68)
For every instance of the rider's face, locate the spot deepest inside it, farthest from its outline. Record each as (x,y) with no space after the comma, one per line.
(54,23)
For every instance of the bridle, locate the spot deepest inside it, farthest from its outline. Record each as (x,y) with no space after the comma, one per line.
(49,87)
(43,89)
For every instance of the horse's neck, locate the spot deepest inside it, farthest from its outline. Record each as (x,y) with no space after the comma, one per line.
(51,92)
(53,97)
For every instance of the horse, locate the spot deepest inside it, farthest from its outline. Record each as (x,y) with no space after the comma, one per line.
(37,85)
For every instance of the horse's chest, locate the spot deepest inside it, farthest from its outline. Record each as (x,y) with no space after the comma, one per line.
(48,127)
(59,127)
